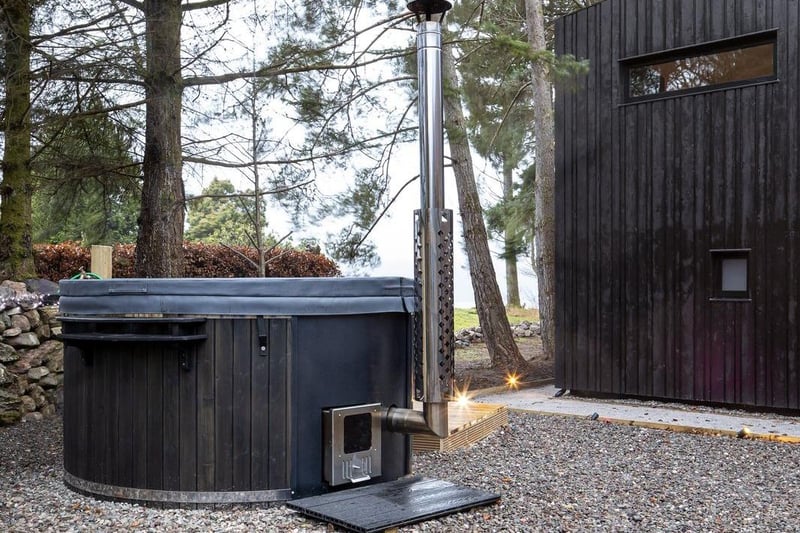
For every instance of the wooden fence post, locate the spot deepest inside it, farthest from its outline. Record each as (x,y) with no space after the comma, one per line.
(101,261)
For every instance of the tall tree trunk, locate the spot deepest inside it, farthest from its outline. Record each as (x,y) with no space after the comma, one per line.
(488,300)
(16,188)
(512,277)
(544,187)
(159,246)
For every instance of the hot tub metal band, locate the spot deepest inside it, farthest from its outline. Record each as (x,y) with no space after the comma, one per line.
(176,496)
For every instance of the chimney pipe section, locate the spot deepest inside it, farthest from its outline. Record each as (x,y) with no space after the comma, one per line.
(431,118)
(433,249)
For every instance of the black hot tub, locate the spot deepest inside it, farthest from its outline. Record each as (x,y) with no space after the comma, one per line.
(184,391)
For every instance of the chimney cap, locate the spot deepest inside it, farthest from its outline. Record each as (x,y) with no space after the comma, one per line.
(429,7)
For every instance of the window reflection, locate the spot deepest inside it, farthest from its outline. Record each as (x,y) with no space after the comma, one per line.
(741,64)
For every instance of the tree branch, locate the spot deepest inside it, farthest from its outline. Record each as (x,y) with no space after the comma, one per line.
(268,250)
(271,70)
(240,254)
(508,112)
(384,210)
(80,79)
(225,164)
(189,6)
(250,195)
(352,98)
(92,24)
(134,4)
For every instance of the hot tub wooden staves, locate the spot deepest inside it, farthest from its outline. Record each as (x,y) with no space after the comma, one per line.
(154,417)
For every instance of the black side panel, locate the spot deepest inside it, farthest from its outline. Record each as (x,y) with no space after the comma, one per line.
(341,361)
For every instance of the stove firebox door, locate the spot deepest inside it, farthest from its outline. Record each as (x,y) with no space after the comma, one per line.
(352,437)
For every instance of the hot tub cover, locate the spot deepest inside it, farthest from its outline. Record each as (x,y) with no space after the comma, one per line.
(238,296)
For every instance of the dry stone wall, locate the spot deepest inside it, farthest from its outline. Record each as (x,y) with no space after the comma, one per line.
(465,337)
(31,359)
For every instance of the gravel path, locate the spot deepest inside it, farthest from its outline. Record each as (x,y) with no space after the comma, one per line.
(554,474)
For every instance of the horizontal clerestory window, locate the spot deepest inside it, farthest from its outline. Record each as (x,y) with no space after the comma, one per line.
(727,63)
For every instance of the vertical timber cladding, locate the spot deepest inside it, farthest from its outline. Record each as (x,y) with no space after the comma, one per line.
(246,398)
(653,192)
(139,419)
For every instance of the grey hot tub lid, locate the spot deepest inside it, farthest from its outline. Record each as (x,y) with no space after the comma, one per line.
(238,296)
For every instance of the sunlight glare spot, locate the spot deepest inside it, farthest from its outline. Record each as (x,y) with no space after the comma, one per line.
(512,381)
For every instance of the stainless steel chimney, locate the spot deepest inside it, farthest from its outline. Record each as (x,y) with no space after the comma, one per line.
(433,247)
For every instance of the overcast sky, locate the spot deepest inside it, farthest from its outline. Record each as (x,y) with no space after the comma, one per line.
(394,238)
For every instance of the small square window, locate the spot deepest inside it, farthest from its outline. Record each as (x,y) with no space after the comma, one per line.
(734,274)
(731,279)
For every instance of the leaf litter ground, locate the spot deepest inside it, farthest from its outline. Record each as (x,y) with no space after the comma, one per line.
(474,370)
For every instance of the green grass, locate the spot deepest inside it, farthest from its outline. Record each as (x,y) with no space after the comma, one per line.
(468,318)
(465,318)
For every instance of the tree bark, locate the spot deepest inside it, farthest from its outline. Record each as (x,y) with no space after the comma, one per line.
(544,187)
(16,188)
(512,277)
(499,339)
(159,246)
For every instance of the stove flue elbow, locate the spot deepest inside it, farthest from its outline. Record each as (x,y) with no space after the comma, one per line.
(432,420)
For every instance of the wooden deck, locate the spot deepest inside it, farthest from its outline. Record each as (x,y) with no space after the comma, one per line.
(467,425)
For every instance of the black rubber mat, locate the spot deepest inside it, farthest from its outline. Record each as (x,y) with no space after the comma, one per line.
(393,504)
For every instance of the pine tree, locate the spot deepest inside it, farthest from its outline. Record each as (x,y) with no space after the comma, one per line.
(16,188)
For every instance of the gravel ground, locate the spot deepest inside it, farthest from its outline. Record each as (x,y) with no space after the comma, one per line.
(554,474)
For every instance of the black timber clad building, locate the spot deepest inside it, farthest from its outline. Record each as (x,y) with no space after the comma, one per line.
(678,202)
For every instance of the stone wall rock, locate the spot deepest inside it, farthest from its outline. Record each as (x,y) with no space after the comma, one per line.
(9,407)
(18,287)
(33,318)
(20,367)
(50,381)
(44,332)
(35,374)
(21,322)
(6,377)
(31,362)
(8,354)
(23,340)
(55,361)
(28,404)
(467,336)
(11,332)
